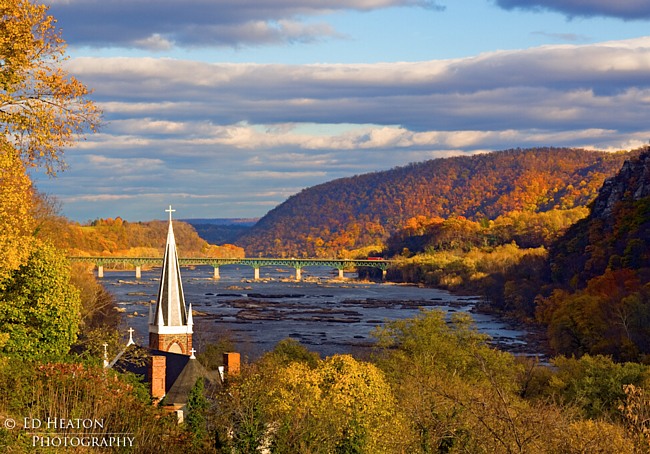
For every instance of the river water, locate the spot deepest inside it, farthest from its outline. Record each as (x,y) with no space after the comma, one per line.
(328,316)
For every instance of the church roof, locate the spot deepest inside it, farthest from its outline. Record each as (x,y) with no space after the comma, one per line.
(170,310)
(180,390)
(181,371)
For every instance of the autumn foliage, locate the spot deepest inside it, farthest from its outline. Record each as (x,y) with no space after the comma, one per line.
(433,385)
(121,238)
(42,108)
(365,210)
(16,221)
(71,390)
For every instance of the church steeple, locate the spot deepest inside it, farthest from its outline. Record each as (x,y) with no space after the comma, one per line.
(170,323)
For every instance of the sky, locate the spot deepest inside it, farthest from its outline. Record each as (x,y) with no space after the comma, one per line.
(225,108)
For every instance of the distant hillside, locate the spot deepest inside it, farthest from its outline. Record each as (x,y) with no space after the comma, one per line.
(118,237)
(363,210)
(601,273)
(221,231)
(245,222)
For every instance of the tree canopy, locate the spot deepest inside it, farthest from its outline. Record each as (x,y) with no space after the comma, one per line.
(365,210)
(16,222)
(43,109)
(39,307)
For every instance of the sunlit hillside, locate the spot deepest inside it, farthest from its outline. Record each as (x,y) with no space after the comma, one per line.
(364,210)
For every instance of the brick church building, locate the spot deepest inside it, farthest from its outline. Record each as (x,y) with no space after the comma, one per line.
(172,369)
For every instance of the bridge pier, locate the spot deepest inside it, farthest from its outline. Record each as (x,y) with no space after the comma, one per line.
(339,264)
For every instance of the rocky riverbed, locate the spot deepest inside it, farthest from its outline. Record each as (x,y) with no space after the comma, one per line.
(326,316)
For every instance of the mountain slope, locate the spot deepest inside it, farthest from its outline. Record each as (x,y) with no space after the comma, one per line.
(118,237)
(615,235)
(601,273)
(363,210)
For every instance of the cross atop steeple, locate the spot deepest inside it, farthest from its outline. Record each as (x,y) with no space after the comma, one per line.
(131,331)
(170,211)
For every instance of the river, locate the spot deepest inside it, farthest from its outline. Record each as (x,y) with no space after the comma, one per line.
(325,315)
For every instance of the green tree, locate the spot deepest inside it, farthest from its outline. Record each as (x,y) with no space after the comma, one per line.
(39,308)
(241,419)
(197,405)
(288,351)
(458,393)
(594,384)
(211,356)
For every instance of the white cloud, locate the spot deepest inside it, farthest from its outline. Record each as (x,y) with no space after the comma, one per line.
(282,175)
(192,128)
(123,166)
(155,42)
(97,198)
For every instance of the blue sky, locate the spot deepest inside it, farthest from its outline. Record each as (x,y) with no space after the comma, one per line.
(226,108)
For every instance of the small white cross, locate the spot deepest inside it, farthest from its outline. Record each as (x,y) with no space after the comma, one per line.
(105,351)
(170,211)
(192,351)
(130,342)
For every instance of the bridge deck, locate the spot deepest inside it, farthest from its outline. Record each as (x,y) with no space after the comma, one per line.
(254,262)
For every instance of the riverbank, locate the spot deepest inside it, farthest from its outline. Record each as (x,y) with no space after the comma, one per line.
(327,316)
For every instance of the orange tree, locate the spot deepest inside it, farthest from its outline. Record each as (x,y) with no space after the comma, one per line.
(43,109)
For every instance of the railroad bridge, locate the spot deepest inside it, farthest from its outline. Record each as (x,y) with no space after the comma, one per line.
(255,263)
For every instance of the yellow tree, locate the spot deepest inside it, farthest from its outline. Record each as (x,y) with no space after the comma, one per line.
(457,392)
(340,405)
(43,109)
(292,401)
(16,222)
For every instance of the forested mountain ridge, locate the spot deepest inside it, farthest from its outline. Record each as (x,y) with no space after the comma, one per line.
(601,273)
(118,237)
(366,209)
(615,235)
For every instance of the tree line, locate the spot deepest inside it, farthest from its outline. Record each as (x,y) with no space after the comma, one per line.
(349,213)
(122,238)
(432,385)
(582,273)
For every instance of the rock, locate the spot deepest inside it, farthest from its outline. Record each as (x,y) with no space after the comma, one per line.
(631,183)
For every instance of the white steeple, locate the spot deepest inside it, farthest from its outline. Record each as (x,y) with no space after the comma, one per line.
(170,315)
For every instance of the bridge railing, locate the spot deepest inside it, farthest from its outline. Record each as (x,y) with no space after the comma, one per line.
(255,263)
